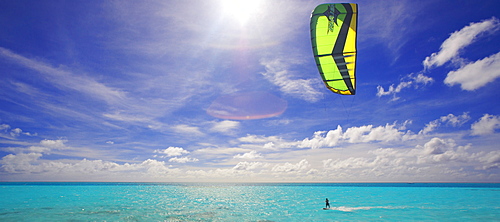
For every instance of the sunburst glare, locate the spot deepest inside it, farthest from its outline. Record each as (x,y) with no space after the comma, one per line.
(240,10)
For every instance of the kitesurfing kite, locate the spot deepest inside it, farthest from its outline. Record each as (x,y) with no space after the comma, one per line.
(333,37)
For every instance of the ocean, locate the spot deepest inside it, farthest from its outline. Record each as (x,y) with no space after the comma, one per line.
(64,201)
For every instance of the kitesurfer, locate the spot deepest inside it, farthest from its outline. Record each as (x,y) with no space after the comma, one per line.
(327,203)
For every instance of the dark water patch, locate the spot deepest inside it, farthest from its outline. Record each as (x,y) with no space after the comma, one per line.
(10,212)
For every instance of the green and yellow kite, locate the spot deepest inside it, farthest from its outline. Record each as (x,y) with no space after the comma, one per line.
(333,37)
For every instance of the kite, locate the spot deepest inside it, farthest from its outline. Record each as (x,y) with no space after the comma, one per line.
(333,38)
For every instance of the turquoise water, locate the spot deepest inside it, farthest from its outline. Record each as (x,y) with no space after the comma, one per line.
(248,202)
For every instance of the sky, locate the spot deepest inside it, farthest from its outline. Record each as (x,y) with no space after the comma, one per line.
(228,91)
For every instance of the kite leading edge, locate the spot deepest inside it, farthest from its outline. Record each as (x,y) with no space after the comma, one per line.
(333,37)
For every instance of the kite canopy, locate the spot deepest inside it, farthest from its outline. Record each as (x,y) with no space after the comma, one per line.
(333,37)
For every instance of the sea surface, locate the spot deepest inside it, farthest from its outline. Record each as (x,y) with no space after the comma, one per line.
(249,202)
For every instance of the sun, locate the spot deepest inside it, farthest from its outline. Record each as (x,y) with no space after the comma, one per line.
(240,10)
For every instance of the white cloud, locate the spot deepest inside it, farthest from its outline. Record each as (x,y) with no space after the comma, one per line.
(13,133)
(362,134)
(458,40)
(54,144)
(437,159)
(277,72)
(270,142)
(290,167)
(406,82)
(449,119)
(486,125)
(444,151)
(491,160)
(172,151)
(65,79)
(476,74)
(126,117)
(226,126)
(436,146)
(23,162)
(250,165)
(185,129)
(182,159)
(250,155)
(46,146)
(471,76)
(392,89)
(258,139)
(33,167)
(4,127)
(388,29)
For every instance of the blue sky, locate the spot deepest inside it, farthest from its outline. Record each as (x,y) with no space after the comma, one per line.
(137,91)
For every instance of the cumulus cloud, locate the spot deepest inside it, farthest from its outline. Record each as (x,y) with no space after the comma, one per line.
(362,134)
(491,160)
(250,165)
(28,163)
(290,167)
(277,73)
(486,125)
(437,158)
(475,74)
(182,159)
(23,162)
(458,40)
(449,119)
(250,155)
(172,151)
(439,150)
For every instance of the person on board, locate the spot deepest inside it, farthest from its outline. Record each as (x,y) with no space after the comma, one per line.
(327,203)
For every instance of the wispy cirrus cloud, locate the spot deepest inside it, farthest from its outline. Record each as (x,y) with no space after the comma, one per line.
(278,73)
(388,28)
(225,126)
(65,79)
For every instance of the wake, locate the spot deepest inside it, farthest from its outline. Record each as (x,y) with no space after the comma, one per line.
(350,209)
